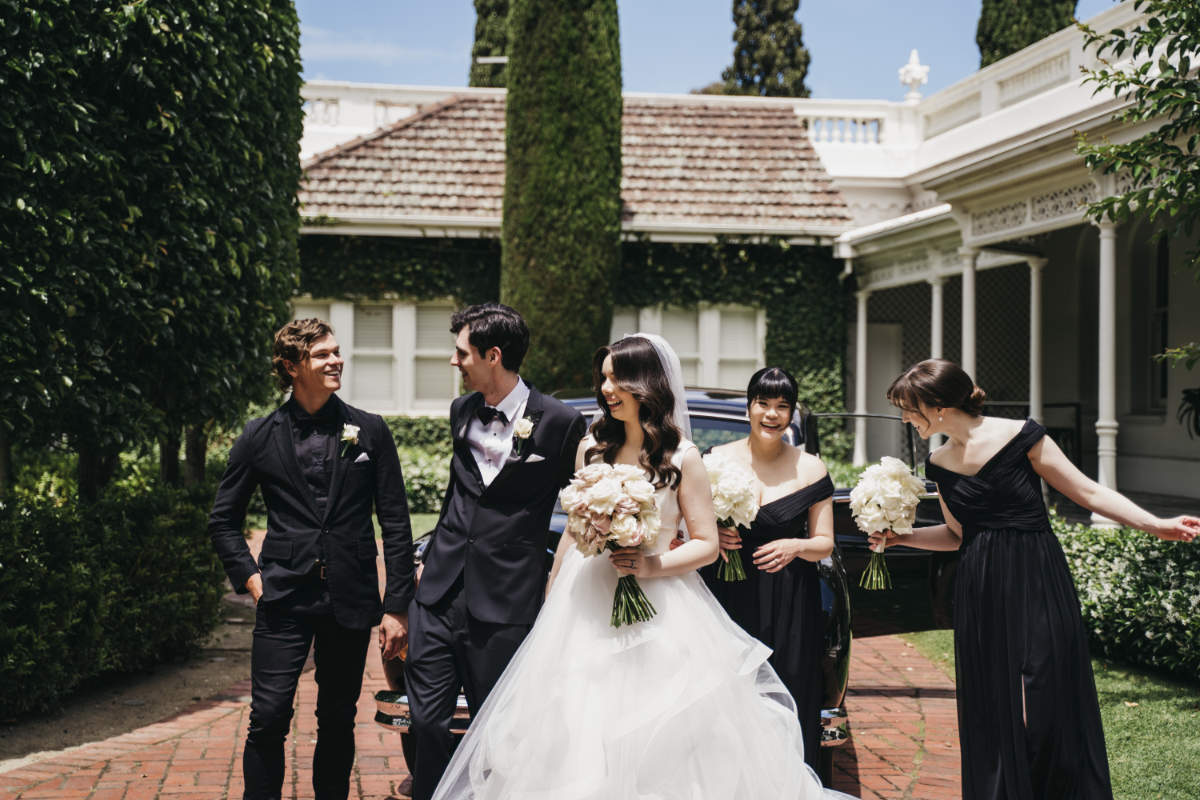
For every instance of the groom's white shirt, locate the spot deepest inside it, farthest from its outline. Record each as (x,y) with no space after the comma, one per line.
(490,444)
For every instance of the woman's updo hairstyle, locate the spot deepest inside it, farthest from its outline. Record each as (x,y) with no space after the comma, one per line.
(773,383)
(936,383)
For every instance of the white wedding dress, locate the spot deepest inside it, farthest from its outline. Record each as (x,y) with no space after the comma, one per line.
(682,707)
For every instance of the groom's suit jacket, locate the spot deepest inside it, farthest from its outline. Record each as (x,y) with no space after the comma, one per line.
(365,475)
(495,536)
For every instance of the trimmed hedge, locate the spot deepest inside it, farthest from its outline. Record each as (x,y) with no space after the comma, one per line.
(114,586)
(425,449)
(148,177)
(1139,595)
(562,182)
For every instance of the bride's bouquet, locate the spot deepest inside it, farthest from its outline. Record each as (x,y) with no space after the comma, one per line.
(610,506)
(885,498)
(735,501)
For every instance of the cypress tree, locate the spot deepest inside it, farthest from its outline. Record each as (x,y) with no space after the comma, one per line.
(491,39)
(1006,26)
(769,57)
(562,206)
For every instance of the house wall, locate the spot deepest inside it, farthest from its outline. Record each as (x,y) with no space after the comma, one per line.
(1154,454)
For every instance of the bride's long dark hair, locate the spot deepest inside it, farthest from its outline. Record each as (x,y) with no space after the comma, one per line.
(637,369)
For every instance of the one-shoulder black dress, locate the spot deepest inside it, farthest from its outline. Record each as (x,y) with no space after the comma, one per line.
(1028,715)
(783,609)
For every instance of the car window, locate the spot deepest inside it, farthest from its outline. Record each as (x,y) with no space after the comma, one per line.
(709,432)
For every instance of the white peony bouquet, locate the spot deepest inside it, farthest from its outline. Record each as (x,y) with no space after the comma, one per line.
(884,499)
(610,506)
(735,501)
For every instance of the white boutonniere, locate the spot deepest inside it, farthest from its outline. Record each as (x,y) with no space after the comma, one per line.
(349,437)
(522,430)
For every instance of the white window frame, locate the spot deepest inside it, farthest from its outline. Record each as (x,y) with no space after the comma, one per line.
(650,320)
(403,352)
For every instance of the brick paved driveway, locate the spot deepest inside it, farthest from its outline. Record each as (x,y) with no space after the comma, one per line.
(905,743)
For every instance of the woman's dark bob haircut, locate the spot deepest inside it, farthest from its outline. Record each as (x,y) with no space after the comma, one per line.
(936,383)
(773,383)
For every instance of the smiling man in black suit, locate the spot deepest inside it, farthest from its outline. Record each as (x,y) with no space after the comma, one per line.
(483,575)
(322,465)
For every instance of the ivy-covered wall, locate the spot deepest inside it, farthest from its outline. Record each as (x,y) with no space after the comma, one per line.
(798,287)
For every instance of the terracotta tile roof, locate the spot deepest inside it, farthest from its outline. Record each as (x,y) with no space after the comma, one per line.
(687,164)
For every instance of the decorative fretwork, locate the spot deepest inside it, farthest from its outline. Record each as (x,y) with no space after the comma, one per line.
(1063,202)
(1000,218)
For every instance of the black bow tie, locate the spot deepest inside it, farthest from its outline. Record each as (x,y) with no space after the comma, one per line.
(488,414)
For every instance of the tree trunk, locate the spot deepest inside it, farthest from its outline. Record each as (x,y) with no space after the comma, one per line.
(5,460)
(96,469)
(195,455)
(168,457)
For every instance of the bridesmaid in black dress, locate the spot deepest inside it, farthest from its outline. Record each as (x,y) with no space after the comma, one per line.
(1028,715)
(779,603)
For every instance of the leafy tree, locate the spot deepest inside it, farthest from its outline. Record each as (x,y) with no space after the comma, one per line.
(148,174)
(1161,85)
(491,39)
(562,207)
(1006,26)
(769,57)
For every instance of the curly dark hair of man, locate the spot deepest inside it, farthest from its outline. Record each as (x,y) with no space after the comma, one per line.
(936,383)
(495,325)
(292,344)
(637,369)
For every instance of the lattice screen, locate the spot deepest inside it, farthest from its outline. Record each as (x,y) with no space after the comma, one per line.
(1002,329)
(1002,324)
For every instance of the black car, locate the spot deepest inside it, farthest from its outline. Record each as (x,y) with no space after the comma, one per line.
(716,417)
(908,566)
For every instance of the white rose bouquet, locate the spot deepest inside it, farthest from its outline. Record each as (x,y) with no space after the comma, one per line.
(884,499)
(608,507)
(735,501)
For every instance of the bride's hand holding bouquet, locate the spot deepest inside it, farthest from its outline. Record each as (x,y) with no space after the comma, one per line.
(612,507)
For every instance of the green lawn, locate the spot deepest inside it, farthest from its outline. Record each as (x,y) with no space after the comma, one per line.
(1151,724)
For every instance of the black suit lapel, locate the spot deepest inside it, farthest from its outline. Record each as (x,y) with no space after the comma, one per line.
(462,450)
(287,457)
(339,463)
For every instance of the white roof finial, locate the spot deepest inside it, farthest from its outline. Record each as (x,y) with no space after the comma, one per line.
(914,74)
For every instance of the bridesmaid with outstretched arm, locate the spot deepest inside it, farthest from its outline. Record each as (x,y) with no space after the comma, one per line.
(1029,718)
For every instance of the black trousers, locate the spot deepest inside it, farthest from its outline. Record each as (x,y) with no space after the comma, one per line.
(448,649)
(282,639)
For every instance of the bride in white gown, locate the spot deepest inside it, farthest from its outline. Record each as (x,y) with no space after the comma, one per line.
(683,706)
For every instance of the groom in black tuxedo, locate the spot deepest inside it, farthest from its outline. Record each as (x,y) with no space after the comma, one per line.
(483,573)
(321,465)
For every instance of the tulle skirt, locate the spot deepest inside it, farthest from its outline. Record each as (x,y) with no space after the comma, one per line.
(682,706)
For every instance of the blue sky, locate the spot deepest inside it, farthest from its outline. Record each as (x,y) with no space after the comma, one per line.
(666,45)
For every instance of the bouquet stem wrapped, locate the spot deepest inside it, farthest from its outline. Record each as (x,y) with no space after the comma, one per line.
(876,575)
(735,502)
(611,506)
(630,603)
(884,499)
(729,568)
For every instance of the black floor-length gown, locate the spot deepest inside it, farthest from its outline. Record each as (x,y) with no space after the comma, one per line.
(783,609)
(1019,641)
